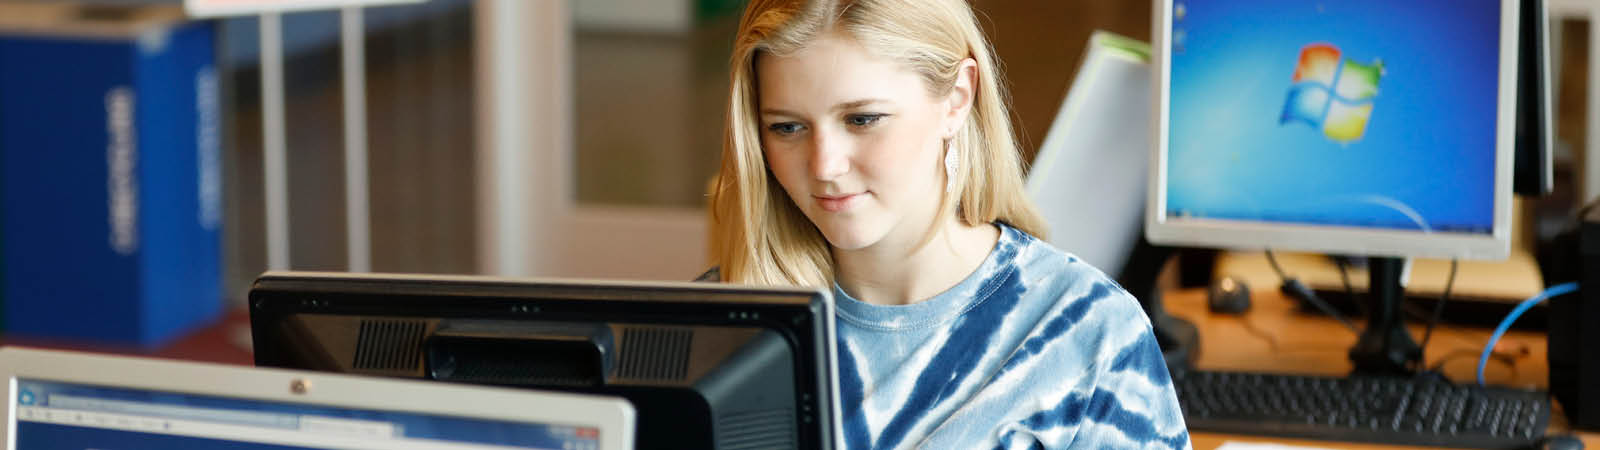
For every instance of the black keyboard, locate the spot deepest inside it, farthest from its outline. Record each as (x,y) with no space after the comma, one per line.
(1407,411)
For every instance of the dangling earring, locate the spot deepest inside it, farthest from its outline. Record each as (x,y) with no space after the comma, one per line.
(950,162)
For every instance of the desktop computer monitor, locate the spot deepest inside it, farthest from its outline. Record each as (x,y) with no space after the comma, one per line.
(1360,127)
(705,365)
(1368,127)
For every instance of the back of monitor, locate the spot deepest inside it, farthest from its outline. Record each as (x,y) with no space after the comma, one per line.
(1088,178)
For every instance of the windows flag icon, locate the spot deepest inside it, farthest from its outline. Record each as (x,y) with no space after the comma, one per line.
(1332,94)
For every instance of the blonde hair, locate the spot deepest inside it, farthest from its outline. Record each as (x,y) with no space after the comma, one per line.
(758,235)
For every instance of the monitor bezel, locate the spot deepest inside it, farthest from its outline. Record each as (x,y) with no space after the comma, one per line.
(1259,235)
(276,296)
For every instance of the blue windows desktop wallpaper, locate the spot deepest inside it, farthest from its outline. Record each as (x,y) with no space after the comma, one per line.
(1364,113)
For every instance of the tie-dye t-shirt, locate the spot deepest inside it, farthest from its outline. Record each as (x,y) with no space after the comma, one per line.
(1036,349)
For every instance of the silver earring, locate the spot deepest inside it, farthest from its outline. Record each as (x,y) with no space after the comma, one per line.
(950,162)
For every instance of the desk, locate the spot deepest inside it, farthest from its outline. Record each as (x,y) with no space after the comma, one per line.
(1275,337)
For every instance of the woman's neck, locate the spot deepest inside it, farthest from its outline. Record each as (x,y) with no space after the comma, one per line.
(901,273)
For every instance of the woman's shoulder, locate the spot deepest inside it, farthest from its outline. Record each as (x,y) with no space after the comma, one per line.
(1049,265)
(1071,287)
(712,275)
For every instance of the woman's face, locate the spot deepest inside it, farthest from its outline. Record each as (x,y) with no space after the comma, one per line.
(855,140)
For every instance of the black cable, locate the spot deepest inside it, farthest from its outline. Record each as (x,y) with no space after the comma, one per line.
(1413,311)
(1295,289)
(1349,291)
(1249,326)
(1438,366)
(1438,308)
(1275,267)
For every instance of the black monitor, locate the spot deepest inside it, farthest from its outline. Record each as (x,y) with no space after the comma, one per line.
(1534,174)
(706,365)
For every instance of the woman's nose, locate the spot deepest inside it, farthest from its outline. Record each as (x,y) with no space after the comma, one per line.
(829,157)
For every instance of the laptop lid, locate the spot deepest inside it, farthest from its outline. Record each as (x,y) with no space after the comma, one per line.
(70,400)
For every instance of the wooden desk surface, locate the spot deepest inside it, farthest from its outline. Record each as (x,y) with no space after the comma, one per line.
(1274,337)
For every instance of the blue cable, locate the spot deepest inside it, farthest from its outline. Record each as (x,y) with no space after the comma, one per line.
(1553,291)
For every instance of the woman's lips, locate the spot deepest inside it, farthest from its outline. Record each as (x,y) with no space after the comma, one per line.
(837,203)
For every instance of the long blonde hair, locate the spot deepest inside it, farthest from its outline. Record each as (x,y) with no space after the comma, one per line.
(758,235)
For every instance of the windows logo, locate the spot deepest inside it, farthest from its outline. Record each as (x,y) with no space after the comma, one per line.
(1332,94)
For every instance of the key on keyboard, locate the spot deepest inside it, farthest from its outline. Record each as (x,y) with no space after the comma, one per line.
(1369,409)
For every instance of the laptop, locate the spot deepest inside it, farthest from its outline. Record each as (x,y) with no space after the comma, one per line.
(71,400)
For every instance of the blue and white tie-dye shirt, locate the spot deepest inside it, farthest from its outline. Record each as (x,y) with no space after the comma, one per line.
(1036,349)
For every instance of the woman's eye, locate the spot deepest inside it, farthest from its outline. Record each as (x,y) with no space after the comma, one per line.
(785,128)
(863,120)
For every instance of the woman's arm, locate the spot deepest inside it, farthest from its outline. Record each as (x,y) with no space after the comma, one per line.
(1133,402)
(1122,399)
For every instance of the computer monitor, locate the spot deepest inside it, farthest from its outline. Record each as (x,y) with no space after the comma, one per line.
(70,400)
(1360,127)
(706,365)
(1088,177)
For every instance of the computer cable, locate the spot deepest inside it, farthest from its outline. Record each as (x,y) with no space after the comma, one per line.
(1250,327)
(1510,360)
(1553,291)
(1438,308)
(1349,291)
(1431,319)
(1293,288)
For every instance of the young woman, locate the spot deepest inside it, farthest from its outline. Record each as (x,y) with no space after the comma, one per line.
(869,151)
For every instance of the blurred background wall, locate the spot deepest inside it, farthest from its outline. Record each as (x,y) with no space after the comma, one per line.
(647,81)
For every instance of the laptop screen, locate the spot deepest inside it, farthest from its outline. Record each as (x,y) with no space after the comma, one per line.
(52,415)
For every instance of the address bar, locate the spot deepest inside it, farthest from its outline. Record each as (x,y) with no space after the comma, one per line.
(234,432)
(260,419)
(316,424)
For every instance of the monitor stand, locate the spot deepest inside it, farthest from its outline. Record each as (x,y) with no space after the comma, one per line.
(1385,347)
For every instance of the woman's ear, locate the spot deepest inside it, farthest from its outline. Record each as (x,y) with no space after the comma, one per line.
(961,97)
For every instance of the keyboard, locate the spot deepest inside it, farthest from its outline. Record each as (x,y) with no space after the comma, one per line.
(1407,411)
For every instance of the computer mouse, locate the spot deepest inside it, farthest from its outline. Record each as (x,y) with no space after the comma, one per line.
(1229,295)
(1561,442)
